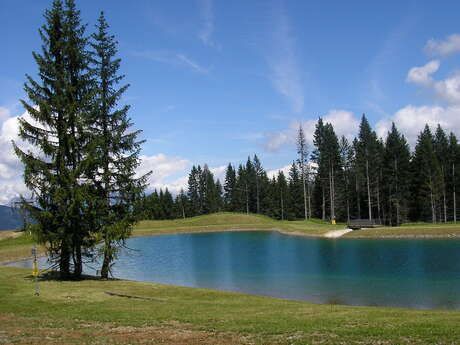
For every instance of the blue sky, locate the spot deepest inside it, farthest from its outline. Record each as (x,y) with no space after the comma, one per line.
(214,81)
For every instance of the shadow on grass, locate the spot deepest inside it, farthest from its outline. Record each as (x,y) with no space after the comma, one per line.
(55,276)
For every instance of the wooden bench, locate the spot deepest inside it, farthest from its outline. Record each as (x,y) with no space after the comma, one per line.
(356,224)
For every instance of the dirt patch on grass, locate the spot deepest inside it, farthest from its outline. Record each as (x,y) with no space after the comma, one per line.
(9,234)
(17,330)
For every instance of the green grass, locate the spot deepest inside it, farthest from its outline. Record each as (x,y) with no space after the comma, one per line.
(232,221)
(80,312)
(72,306)
(13,248)
(410,230)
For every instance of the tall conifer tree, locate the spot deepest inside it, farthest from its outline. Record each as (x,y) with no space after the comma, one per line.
(117,149)
(59,107)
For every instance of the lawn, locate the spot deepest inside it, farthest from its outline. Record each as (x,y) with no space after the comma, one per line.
(82,312)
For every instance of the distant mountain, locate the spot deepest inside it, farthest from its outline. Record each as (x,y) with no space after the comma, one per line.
(10,218)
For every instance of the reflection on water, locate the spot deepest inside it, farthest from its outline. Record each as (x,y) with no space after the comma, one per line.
(402,273)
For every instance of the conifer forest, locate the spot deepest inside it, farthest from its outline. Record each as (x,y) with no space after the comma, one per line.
(336,179)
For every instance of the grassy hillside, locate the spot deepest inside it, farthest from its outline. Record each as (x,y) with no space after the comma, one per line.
(232,221)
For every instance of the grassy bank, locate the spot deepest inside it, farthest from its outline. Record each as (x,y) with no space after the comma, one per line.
(235,221)
(83,313)
(232,221)
(415,230)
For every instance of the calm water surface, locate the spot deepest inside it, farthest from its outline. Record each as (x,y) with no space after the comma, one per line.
(401,273)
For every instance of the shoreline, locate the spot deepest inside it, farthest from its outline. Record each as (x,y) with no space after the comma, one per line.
(355,234)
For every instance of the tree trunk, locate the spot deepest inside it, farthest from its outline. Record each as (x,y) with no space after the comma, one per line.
(433,209)
(309,200)
(304,193)
(324,204)
(282,206)
(64,261)
(455,198)
(357,196)
(257,192)
(378,204)
(331,192)
(105,269)
(368,190)
(77,261)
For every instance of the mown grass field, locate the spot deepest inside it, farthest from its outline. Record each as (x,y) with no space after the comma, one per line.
(81,312)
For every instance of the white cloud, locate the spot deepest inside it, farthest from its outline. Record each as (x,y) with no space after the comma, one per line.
(449,46)
(410,120)
(284,65)
(11,180)
(274,172)
(344,122)
(162,167)
(449,88)
(219,172)
(422,75)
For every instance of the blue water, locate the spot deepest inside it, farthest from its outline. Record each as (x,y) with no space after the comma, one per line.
(413,273)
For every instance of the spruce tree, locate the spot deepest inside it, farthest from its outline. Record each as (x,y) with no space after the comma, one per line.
(441,149)
(303,162)
(296,202)
(229,189)
(56,172)
(345,184)
(193,193)
(367,152)
(117,148)
(453,182)
(396,167)
(282,195)
(426,179)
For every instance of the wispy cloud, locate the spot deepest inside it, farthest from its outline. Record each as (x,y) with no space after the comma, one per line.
(171,58)
(283,62)
(187,62)
(443,48)
(207,15)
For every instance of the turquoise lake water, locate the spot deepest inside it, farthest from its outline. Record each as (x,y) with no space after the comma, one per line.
(413,273)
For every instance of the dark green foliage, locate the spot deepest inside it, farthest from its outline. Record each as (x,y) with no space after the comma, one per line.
(426,179)
(229,189)
(396,178)
(116,150)
(368,163)
(327,158)
(82,170)
(57,172)
(346,178)
(296,201)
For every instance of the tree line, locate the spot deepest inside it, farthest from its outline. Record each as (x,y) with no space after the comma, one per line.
(82,168)
(336,180)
